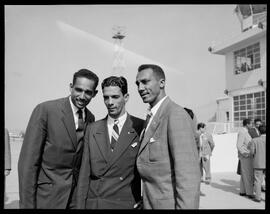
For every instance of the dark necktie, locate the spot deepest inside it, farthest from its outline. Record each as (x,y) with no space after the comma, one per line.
(80,129)
(115,134)
(80,120)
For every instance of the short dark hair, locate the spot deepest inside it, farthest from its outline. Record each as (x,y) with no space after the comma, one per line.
(246,121)
(262,129)
(121,82)
(190,112)
(257,120)
(200,125)
(87,74)
(157,70)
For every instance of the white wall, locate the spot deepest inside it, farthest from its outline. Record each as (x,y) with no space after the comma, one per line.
(224,157)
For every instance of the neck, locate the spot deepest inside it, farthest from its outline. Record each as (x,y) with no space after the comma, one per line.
(160,97)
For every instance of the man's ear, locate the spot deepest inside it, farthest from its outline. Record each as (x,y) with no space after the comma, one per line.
(70,87)
(126,97)
(162,83)
(95,93)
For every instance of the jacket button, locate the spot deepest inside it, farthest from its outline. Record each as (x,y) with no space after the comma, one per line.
(121,178)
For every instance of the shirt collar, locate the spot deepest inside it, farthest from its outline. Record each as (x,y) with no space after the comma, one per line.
(121,120)
(74,108)
(156,107)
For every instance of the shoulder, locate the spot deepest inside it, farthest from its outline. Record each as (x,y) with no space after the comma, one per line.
(136,120)
(52,103)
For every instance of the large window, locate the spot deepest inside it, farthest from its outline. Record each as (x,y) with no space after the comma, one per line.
(247,59)
(249,106)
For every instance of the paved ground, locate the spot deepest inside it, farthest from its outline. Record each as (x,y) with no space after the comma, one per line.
(221,194)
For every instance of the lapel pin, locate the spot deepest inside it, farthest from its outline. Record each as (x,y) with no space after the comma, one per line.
(152,140)
(134,144)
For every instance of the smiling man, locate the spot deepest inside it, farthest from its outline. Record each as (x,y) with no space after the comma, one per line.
(168,158)
(108,177)
(51,152)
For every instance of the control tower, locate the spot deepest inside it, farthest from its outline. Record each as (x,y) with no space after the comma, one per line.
(119,33)
(251,15)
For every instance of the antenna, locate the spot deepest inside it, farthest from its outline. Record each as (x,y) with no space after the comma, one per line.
(119,33)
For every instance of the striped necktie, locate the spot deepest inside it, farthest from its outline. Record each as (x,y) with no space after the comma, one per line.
(115,135)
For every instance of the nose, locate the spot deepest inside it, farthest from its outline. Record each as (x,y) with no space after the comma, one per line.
(110,101)
(140,87)
(82,95)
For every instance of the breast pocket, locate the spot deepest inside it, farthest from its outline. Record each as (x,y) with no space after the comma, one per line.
(156,150)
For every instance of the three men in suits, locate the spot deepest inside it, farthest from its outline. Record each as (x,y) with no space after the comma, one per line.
(168,158)
(51,152)
(108,176)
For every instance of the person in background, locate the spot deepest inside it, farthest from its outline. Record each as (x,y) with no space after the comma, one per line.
(206,148)
(108,176)
(52,148)
(7,153)
(254,131)
(168,159)
(243,140)
(258,152)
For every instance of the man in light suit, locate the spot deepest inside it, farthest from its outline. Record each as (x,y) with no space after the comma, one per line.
(108,176)
(51,152)
(243,141)
(7,153)
(168,157)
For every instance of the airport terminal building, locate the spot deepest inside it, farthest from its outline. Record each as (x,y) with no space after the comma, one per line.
(245,66)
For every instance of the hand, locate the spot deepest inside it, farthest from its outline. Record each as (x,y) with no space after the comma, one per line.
(7,172)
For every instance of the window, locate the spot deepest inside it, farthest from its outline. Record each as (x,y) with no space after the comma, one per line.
(251,106)
(247,59)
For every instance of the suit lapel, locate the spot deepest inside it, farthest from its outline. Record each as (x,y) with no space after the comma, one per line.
(154,124)
(126,137)
(68,120)
(102,139)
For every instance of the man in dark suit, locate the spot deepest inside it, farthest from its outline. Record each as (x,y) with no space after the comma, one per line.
(50,156)
(168,157)
(108,177)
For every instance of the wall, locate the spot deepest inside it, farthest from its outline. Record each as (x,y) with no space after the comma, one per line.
(224,157)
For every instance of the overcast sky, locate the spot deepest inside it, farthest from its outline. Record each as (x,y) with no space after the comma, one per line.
(45,45)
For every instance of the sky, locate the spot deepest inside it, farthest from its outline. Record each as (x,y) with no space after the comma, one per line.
(46,44)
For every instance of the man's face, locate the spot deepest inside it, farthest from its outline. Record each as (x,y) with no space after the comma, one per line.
(82,92)
(258,123)
(115,101)
(149,87)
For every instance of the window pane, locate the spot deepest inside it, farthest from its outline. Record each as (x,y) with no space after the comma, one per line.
(236,103)
(242,107)
(242,102)
(242,97)
(249,95)
(236,108)
(243,113)
(236,98)
(249,107)
(258,94)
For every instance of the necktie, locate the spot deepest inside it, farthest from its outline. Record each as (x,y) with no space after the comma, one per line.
(80,120)
(115,134)
(80,129)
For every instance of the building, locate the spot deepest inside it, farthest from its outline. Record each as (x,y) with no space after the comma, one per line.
(245,66)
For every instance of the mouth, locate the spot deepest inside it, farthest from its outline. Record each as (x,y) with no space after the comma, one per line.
(144,95)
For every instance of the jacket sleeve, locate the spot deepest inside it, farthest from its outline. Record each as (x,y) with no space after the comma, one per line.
(7,151)
(184,154)
(241,147)
(84,175)
(30,157)
(211,141)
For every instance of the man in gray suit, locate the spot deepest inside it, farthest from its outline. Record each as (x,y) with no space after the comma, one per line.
(51,152)
(168,158)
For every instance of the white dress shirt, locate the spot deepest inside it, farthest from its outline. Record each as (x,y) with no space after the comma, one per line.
(75,113)
(121,122)
(154,110)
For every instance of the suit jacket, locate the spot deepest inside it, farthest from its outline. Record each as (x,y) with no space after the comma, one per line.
(243,141)
(253,132)
(109,180)
(168,160)
(50,156)
(207,144)
(7,151)
(258,150)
